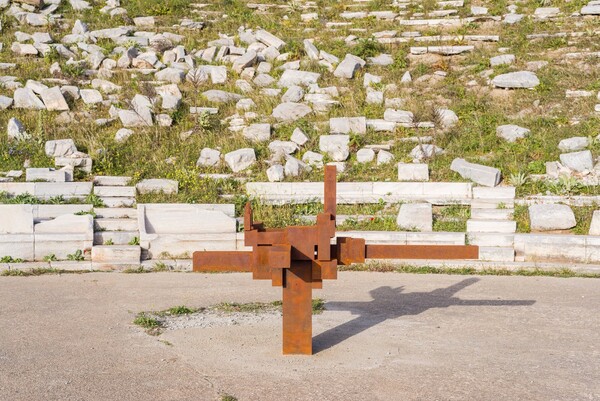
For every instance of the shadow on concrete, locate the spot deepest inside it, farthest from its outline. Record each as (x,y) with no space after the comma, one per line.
(391,303)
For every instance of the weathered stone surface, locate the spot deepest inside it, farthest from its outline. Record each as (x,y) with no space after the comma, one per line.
(398,116)
(516,80)
(46,174)
(346,125)
(336,146)
(348,67)
(595,224)
(291,111)
(123,134)
(425,151)
(291,78)
(511,132)
(365,155)
(314,159)
(275,173)
(483,175)
(90,96)
(25,98)
(384,157)
(573,144)
(209,157)
(299,137)
(105,86)
(16,219)
(257,132)
(413,172)
(54,100)
(504,59)
(578,161)
(171,96)
(294,167)
(240,159)
(157,185)
(548,217)
(590,9)
(5,102)
(269,39)
(245,61)
(293,94)
(283,147)
(219,96)
(16,130)
(447,118)
(173,75)
(415,217)
(60,148)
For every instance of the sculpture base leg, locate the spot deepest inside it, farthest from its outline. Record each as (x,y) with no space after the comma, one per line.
(297,309)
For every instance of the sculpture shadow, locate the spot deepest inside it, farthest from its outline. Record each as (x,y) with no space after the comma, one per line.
(392,303)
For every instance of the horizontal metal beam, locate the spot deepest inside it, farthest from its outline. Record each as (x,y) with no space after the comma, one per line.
(422,252)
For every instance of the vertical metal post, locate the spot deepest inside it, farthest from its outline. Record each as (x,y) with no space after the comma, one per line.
(297,309)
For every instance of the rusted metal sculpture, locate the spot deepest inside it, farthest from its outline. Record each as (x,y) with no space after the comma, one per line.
(299,259)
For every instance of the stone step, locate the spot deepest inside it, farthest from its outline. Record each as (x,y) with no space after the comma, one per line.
(491,226)
(111,181)
(497,253)
(492,204)
(117,237)
(112,257)
(113,202)
(505,193)
(491,239)
(115,191)
(103,224)
(115,212)
(492,214)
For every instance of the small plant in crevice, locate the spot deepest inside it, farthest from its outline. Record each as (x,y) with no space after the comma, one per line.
(77,256)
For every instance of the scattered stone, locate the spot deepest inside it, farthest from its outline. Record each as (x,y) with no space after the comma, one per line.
(54,100)
(398,116)
(578,161)
(415,217)
(173,75)
(347,125)
(504,59)
(348,67)
(60,148)
(122,135)
(413,172)
(299,137)
(447,118)
(384,157)
(257,132)
(425,151)
(283,147)
(245,61)
(365,155)
(549,217)
(483,175)
(511,132)
(294,167)
(240,159)
(573,144)
(209,157)
(5,102)
(293,94)
(25,98)
(219,96)
(291,111)
(269,39)
(291,78)
(336,146)
(516,80)
(90,96)
(16,130)
(594,225)
(313,159)
(276,173)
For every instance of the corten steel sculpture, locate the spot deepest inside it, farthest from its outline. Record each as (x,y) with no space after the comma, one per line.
(300,258)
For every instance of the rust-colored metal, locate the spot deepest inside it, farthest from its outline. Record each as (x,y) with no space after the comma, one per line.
(299,259)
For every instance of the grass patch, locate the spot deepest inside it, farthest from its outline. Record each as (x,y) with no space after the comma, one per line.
(389,267)
(151,325)
(39,272)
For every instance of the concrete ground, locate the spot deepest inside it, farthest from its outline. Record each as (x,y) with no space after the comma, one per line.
(384,336)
